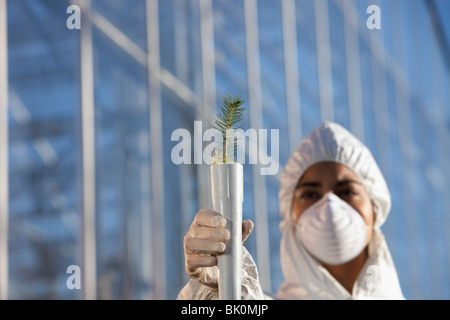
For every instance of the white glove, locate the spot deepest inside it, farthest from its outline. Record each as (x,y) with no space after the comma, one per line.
(204,241)
(250,289)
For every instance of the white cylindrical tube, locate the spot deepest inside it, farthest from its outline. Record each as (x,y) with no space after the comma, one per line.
(227,188)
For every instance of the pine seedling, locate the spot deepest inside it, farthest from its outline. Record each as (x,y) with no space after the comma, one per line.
(228,123)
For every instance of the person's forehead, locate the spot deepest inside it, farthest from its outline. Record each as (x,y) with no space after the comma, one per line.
(328,171)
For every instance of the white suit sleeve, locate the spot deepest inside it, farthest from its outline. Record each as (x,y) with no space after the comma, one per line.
(251,288)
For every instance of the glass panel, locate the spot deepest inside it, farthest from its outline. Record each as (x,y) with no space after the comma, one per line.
(122,169)
(44,170)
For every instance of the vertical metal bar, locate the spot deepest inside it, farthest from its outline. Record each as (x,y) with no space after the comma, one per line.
(89,270)
(181,30)
(353,71)
(187,203)
(291,72)
(381,112)
(380,104)
(156,154)
(255,108)
(324,60)
(190,173)
(4,194)
(208,61)
(146,222)
(209,89)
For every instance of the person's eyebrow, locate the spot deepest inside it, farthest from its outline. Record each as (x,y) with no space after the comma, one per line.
(314,184)
(317,184)
(347,181)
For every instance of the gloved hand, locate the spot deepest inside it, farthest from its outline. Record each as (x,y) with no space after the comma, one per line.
(205,240)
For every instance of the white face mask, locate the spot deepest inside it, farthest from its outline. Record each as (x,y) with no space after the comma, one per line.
(332,230)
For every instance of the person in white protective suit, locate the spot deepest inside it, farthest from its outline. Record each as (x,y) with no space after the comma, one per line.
(333,200)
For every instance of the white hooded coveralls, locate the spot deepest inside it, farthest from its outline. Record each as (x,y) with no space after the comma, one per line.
(305,277)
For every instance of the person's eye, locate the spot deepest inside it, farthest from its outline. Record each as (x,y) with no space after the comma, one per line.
(346,193)
(307,195)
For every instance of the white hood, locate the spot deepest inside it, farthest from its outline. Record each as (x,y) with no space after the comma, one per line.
(305,278)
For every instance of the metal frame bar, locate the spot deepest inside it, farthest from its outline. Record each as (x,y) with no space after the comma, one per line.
(381,111)
(353,71)
(88,155)
(4,192)
(208,54)
(324,60)
(156,142)
(291,73)
(181,40)
(165,76)
(209,91)
(255,108)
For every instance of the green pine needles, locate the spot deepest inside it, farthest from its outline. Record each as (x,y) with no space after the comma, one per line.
(228,123)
